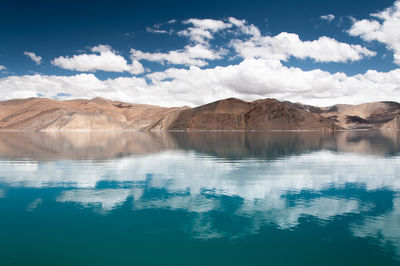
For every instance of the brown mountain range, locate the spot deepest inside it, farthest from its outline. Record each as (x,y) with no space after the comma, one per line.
(42,114)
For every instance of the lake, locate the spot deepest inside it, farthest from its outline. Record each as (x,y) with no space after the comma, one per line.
(200,198)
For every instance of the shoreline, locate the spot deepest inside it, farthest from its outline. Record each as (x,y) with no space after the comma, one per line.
(198,130)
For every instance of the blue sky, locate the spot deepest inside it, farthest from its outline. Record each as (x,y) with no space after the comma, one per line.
(193,52)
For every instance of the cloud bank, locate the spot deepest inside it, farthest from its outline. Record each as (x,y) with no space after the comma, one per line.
(251,79)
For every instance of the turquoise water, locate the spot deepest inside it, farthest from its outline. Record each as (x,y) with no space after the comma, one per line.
(200,198)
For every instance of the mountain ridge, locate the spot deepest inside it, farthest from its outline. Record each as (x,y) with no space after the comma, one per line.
(44,114)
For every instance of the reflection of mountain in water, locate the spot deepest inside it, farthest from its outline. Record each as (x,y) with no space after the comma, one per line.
(234,144)
(81,145)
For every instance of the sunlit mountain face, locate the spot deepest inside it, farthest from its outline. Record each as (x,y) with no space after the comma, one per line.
(212,196)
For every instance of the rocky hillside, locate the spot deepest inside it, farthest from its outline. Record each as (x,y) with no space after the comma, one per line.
(234,114)
(96,114)
(374,115)
(41,114)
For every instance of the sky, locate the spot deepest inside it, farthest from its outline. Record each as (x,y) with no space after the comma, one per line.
(176,53)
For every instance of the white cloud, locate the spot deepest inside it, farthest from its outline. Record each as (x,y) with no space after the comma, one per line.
(250,80)
(103,58)
(37,59)
(190,55)
(2,67)
(285,45)
(328,17)
(253,79)
(156,28)
(385,28)
(208,24)
(251,44)
(203,29)
(244,27)
(78,86)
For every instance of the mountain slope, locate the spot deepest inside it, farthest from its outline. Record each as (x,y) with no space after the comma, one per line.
(35,114)
(373,115)
(363,116)
(95,114)
(234,114)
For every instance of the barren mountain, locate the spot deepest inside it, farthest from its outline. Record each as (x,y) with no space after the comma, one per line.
(96,114)
(41,114)
(374,115)
(235,114)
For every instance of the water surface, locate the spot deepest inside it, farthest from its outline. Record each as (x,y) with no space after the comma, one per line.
(200,198)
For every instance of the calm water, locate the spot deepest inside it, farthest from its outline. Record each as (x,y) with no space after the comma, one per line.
(233,198)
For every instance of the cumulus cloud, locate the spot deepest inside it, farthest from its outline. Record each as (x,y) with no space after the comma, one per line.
(203,29)
(2,67)
(208,24)
(77,86)
(244,27)
(191,55)
(257,78)
(103,58)
(285,45)
(328,17)
(384,28)
(248,42)
(37,59)
(251,79)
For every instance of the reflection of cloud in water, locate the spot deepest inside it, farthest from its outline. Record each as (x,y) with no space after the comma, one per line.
(385,228)
(323,208)
(196,183)
(106,199)
(251,179)
(259,212)
(34,204)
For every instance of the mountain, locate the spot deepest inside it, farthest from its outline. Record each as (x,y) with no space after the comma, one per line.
(235,114)
(373,115)
(97,114)
(42,114)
